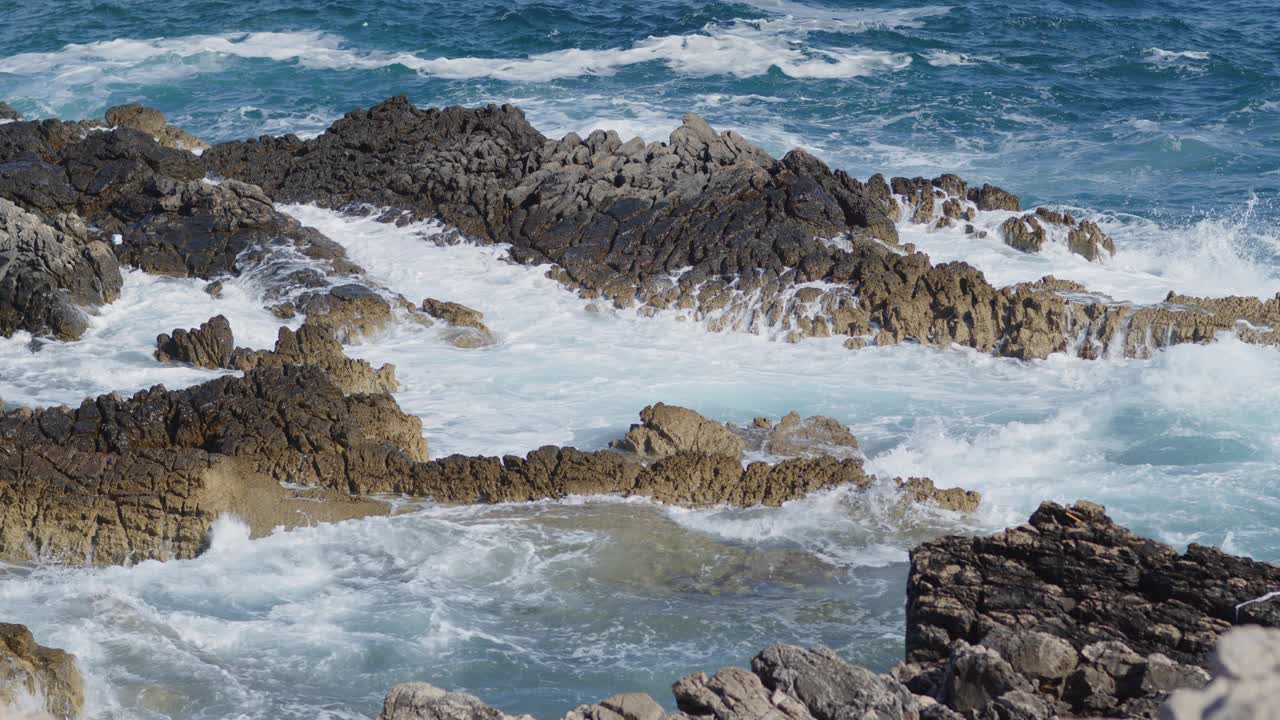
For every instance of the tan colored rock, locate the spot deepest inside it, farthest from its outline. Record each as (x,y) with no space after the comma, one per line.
(314,344)
(922,490)
(33,674)
(350,311)
(735,693)
(668,429)
(468,328)
(151,122)
(628,706)
(796,437)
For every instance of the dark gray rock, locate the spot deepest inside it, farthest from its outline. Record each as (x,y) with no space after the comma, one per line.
(831,688)
(208,346)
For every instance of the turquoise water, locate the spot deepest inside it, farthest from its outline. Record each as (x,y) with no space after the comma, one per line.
(1161,123)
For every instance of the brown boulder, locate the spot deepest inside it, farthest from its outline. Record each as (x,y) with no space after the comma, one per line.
(33,673)
(669,429)
(208,346)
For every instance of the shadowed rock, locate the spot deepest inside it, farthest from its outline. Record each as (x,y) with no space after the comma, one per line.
(208,346)
(46,676)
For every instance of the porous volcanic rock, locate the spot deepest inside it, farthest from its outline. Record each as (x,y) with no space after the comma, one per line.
(705,225)
(31,673)
(1076,610)
(208,346)
(151,122)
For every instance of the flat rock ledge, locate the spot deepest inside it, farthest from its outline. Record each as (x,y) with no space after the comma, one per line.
(712,228)
(36,682)
(1105,642)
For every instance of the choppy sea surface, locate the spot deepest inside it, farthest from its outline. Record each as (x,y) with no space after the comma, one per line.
(1160,121)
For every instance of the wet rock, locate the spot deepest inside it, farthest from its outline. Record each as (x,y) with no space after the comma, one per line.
(665,430)
(208,346)
(314,344)
(8,113)
(1246,680)
(990,197)
(1023,233)
(349,311)
(468,324)
(144,477)
(48,271)
(151,122)
(793,436)
(420,701)
(31,673)
(923,490)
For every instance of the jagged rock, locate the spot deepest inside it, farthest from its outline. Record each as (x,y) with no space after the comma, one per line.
(469,328)
(8,113)
(831,688)
(349,311)
(705,225)
(795,437)
(735,694)
(155,207)
(118,480)
(922,490)
(208,346)
(990,197)
(628,706)
(33,674)
(151,122)
(314,344)
(48,270)
(1138,616)
(666,430)
(1029,233)
(1246,680)
(420,701)
(977,676)
(1023,233)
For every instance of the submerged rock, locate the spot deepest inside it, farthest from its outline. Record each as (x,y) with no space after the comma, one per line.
(208,346)
(794,436)
(469,330)
(34,674)
(314,345)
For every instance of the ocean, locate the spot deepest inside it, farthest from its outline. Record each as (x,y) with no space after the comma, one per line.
(1161,122)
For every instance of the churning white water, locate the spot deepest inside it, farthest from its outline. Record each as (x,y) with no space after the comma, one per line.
(540,606)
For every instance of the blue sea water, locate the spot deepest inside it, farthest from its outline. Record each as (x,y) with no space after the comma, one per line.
(1159,120)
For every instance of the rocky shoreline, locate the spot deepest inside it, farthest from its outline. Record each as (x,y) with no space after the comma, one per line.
(1069,615)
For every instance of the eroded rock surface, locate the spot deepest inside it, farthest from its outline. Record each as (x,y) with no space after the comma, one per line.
(35,679)
(313,344)
(708,226)
(208,346)
(467,325)
(665,430)
(1075,610)
(151,122)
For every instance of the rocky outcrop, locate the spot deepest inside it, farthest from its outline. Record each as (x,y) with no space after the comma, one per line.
(708,227)
(314,345)
(82,195)
(1074,611)
(8,113)
(794,436)
(467,325)
(151,122)
(1246,680)
(119,480)
(666,430)
(420,701)
(35,681)
(48,270)
(208,346)
(1029,233)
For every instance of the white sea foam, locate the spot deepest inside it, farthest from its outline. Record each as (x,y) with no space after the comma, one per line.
(945,58)
(1159,55)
